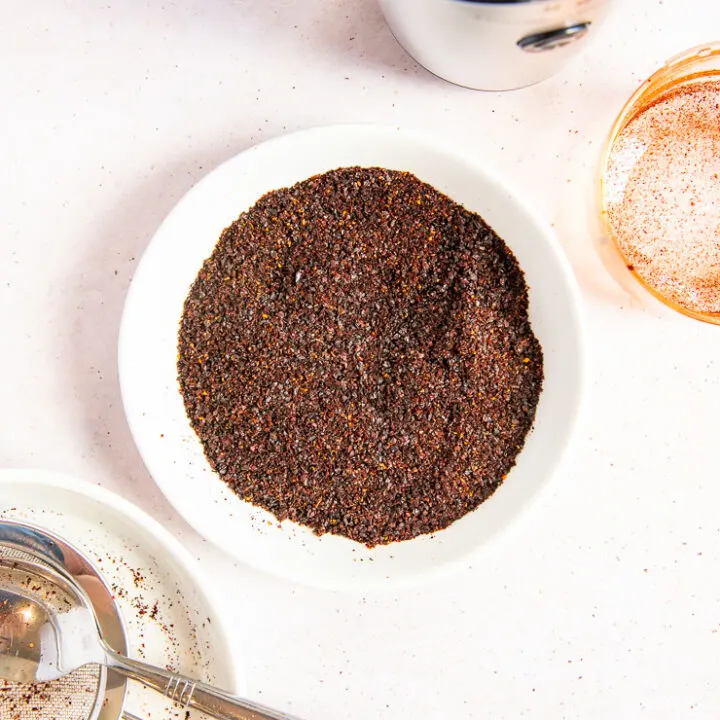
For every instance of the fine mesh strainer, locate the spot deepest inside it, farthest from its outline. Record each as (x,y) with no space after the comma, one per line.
(84,643)
(77,696)
(91,692)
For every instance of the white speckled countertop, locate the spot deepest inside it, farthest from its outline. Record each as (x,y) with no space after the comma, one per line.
(605,601)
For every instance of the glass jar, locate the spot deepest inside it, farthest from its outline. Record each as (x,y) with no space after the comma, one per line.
(685,71)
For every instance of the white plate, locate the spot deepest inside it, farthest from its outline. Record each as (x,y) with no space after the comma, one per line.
(148,354)
(144,565)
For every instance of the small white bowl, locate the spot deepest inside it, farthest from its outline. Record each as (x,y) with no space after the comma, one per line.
(148,355)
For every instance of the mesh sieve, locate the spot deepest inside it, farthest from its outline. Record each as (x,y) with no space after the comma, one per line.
(77,696)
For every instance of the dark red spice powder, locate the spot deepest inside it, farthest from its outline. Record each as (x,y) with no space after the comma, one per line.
(356,356)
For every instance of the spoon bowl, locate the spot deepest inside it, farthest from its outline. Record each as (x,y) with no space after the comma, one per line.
(37,645)
(22,547)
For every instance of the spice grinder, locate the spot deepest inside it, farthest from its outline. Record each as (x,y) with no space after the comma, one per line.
(493,44)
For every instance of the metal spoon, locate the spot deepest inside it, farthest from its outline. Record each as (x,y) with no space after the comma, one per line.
(38,644)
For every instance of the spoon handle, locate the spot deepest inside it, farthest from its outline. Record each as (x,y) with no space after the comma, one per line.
(191,693)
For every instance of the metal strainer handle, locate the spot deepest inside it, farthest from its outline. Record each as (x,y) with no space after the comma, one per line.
(191,693)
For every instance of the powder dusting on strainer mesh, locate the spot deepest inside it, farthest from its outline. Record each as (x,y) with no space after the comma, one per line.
(662,189)
(73,697)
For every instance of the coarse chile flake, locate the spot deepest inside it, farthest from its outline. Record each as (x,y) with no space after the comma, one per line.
(356,356)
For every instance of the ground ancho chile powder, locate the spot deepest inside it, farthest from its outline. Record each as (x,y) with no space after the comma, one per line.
(356,355)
